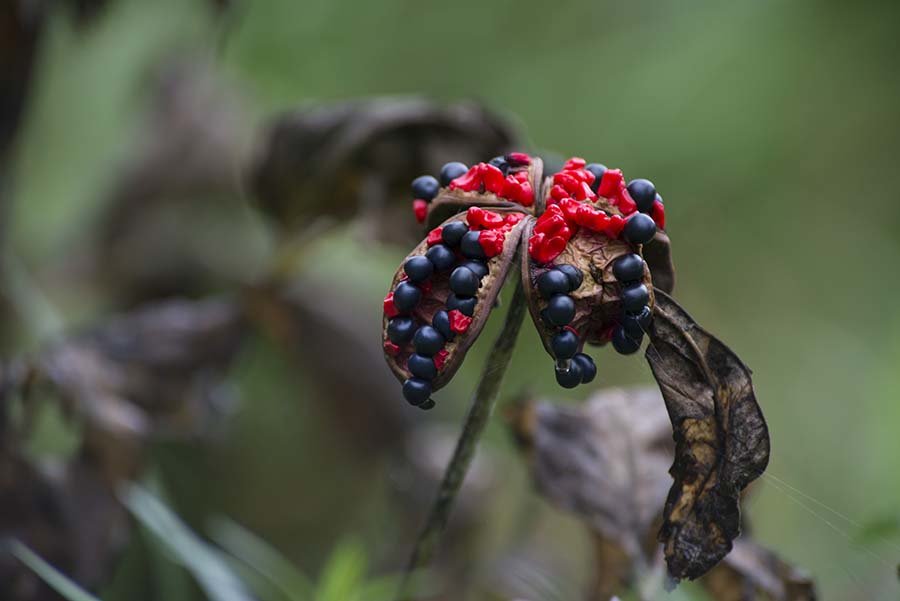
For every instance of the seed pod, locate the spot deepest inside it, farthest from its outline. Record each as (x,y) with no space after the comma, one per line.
(436,290)
(598,305)
(485,186)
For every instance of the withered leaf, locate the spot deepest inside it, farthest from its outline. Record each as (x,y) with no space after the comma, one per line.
(721,438)
(359,157)
(753,572)
(658,255)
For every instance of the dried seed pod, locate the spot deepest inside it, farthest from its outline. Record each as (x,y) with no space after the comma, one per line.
(438,298)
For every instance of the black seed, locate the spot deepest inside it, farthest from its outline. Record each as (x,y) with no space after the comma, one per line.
(477,267)
(636,324)
(574,274)
(623,343)
(418,269)
(564,345)
(406,297)
(643,192)
(463,282)
(416,391)
(421,367)
(453,232)
(598,170)
(640,229)
(629,268)
(429,404)
(634,297)
(569,378)
(425,187)
(471,247)
(400,330)
(501,164)
(428,341)
(560,310)
(466,306)
(552,282)
(451,171)
(441,256)
(588,369)
(441,323)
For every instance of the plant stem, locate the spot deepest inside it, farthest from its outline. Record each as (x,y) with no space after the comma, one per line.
(483,403)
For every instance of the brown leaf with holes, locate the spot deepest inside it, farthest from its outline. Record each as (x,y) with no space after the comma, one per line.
(721,438)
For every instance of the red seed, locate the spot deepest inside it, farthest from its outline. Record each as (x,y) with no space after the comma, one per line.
(434,236)
(492,242)
(440,358)
(625,203)
(615,226)
(478,218)
(610,183)
(493,179)
(658,213)
(420,209)
(459,323)
(518,158)
(389,309)
(470,181)
(575,163)
(390,348)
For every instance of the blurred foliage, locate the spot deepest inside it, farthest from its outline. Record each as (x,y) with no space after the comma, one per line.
(771,129)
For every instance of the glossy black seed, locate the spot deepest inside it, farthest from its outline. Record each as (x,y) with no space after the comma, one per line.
(629,268)
(416,391)
(639,229)
(400,330)
(441,323)
(441,256)
(569,378)
(634,297)
(421,367)
(453,232)
(471,247)
(429,404)
(450,171)
(552,282)
(588,368)
(406,297)
(477,267)
(463,282)
(643,192)
(500,163)
(428,341)
(623,343)
(425,187)
(574,274)
(418,269)
(598,170)
(560,310)
(636,323)
(564,345)
(466,306)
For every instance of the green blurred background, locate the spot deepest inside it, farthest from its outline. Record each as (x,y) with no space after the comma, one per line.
(771,128)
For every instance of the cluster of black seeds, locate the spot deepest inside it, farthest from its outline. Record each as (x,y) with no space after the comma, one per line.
(636,315)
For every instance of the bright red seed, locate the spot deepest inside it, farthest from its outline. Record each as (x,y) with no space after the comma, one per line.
(615,226)
(389,309)
(575,163)
(493,179)
(518,158)
(459,323)
(480,219)
(658,213)
(434,236)
(610,183)
(440,358)
(390,348)
(492,242)
(625,203)
(420,209)
(470,181)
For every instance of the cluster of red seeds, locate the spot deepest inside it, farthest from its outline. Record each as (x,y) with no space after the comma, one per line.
(570,206)
(492,228)
(484,177)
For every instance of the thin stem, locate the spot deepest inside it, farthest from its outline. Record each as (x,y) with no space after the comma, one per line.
(483,403)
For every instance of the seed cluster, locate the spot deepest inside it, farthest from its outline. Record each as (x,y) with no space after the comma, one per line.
(554,286)
(504,176)
(570,206)
(459,251)
(627,335)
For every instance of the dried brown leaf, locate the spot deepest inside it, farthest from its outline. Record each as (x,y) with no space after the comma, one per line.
(359,158)
(721,438)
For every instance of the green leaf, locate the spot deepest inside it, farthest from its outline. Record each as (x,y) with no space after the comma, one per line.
(343,576)
(61,583)
(263,558)
(204,562)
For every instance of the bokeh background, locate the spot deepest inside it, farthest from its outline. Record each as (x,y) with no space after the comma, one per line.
(771,129)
